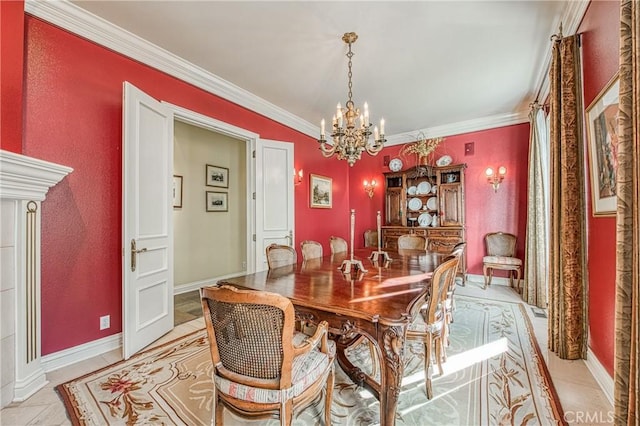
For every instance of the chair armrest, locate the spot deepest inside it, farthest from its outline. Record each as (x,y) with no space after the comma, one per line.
(320,336)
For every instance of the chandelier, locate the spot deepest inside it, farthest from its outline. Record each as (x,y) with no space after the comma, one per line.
(348,139)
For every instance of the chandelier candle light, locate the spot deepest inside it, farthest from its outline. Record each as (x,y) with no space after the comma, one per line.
(352,265)
(349,139)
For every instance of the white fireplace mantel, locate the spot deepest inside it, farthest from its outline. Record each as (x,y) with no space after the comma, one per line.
(24,183)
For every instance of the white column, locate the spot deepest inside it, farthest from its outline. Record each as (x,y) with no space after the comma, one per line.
(24,182)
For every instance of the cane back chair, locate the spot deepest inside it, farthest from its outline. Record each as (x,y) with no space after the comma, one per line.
(280,255)
(337,245)
(310,249)
(412,241)
(262,367)
(429,325)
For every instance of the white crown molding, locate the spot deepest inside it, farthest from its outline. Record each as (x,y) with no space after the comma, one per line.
(600,375)
(27,178)
(82,352)
(78,21)
(570,20)
(484,123)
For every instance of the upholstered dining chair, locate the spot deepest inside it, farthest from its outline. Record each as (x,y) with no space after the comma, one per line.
(261,366)
(450,303)
(501,250)
(337,245)
(429,325)
(412,241)
(371,238)
(310,249)
(280,255)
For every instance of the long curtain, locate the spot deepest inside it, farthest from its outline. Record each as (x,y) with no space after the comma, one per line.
(567,284)
(536,270)
(627,354)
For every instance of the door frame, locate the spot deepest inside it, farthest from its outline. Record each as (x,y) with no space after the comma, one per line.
(251,140)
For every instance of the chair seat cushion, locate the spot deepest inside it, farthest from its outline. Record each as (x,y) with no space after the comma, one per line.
(502,260)
(306,370)
(420,326)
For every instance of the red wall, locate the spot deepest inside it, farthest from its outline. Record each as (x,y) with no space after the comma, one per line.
(73,110)
(600,30)
(486,211)
(11,58)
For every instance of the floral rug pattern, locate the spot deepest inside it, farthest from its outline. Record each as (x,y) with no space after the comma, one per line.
(494,375)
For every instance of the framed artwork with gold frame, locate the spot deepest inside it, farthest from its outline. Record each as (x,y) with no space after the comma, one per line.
(602,134)
(320,191)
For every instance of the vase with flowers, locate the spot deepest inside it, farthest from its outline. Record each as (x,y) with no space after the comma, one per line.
(422,148)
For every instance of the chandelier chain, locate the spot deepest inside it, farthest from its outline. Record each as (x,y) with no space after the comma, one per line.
(350,73)
(350,130)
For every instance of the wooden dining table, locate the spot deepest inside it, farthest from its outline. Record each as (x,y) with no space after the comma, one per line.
(378,303)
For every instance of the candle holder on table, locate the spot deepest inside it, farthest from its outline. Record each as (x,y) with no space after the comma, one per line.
(352,265)
(379,255)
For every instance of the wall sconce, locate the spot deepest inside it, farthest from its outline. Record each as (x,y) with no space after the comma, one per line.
(297,177)
(369,187)
(495,179)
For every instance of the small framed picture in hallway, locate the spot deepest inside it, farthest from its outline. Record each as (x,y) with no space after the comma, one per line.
(217,176)
(217,201)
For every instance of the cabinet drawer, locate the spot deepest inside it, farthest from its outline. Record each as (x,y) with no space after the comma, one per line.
(440,232)
(442,245)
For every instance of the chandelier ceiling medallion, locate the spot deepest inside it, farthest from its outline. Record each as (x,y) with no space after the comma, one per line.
(348,139)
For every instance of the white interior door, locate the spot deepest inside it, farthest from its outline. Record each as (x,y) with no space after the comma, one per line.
(275,197)
(147,220)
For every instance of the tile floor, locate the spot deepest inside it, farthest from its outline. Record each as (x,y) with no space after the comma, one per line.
(580,395)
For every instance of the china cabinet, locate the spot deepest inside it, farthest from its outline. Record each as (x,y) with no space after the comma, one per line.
(427,201)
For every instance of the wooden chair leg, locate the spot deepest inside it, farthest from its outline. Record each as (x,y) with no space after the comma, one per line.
(439,354)
(219,412)
(484,273)
(286,413)
(328,397)
(428,366)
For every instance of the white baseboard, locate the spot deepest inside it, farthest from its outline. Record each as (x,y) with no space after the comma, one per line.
(197,285)
(97,347)
(82,352)
(600,374)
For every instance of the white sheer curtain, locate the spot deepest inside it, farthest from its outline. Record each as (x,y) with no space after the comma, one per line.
(537,236)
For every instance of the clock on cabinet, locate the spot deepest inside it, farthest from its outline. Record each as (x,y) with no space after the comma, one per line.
(395,165)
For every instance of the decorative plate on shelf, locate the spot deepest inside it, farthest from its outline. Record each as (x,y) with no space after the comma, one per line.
(412,190)
(432,203)
(424,188)
(434,189)
(415,204)
(445,160)
(424,219)
(395,165)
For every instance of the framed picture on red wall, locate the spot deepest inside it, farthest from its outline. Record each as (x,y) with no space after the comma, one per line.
(602,134)
(321,191)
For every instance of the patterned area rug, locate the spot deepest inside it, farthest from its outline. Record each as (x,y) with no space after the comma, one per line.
(494,375)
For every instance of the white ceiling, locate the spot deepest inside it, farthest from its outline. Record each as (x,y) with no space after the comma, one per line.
(422,65)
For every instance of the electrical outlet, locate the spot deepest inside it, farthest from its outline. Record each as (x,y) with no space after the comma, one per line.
(244,265)
(105,322)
